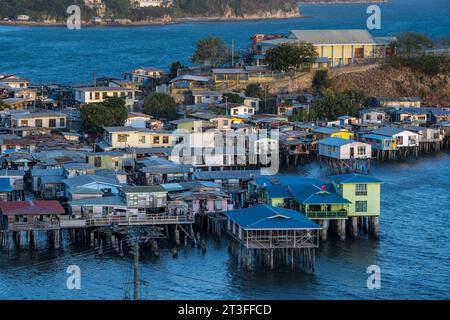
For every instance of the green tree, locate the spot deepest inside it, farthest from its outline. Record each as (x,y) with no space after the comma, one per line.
(231,97)
(305,115)
(174,67)
(320,79)
(412,43)
(254,90)
(111,112)
(160,105)
(117,109)
(333,104)
(291,57)
(211,51)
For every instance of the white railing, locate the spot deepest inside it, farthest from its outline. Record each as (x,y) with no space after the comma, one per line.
(140,220)
(34,225)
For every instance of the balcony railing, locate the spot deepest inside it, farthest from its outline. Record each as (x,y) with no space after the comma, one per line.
(34,225)
(340,214)
(140,220)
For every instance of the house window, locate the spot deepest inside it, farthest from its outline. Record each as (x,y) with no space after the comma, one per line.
(130,95)
(399,140)
(142,139)
(98,162)
(122,138)
(115,94)
(38,123)
(97,96)
(104,95)
(379,117)
(218,205)
(360,206)
(361,150)
(165,139)
(156,139)
(361,189)
(24,123)
(52,123)
(62,122)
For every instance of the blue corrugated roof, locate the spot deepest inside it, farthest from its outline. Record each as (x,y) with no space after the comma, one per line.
(313,194)
(354,178)
(376,136)
(335,141)
(5,185)
(285,180)
(267,217)
(278,192)
(324,197)
(388,131)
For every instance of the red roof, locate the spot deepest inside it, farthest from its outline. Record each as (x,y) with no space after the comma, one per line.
(41,207)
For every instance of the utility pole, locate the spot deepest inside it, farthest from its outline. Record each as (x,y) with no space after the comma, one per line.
(136,271)
(136,235)
(226,106)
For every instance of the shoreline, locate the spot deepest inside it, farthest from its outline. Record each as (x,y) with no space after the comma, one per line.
(161,22)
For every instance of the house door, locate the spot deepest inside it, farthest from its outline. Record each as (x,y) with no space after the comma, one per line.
(352,152)
(359,52)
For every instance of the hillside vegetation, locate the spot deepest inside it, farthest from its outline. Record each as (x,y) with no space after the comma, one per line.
(56,9)
(396,82)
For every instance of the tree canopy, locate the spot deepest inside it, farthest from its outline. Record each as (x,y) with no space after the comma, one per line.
(174,67)
(160,105)
(412,43)
(111,112)
(254,90)
(211,51)
(232,97)
(291,57)
(333,104)
(320,79)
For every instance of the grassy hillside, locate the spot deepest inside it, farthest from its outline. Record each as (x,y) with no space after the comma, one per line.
(396,81)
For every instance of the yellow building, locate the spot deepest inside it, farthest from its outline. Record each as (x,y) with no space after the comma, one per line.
(326,132)
(337,47)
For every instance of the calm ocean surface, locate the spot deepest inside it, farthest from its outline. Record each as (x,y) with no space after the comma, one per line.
(414,250)
(413,254)
(57,54)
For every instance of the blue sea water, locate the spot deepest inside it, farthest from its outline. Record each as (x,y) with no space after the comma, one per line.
(413,255)
(56,54)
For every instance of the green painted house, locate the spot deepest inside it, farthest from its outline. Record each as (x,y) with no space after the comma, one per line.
(364,193)
(319,202)
(107,159)
(276,196)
